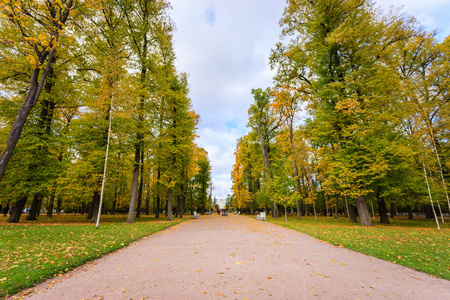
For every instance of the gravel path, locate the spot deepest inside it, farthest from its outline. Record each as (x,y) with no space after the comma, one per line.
(236,257)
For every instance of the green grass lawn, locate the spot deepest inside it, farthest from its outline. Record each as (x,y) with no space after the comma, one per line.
(31,252)
(416,244)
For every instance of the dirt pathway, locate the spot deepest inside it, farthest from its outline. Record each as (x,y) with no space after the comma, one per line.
(236,257)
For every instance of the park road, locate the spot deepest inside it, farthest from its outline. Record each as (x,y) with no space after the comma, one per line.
(237,257)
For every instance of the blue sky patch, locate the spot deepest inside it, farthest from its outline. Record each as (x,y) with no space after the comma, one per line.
(210,16)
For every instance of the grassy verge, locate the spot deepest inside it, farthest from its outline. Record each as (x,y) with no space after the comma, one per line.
(33,252)
(415,244)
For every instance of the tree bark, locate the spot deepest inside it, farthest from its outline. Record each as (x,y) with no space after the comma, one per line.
(134,190)
(294,166)
(141,186)
(95,206)
(58,205)
(392,210)
(17,209)
(352,213)
(336,212)
(429,212)
(33,212)
(158,199)
(50,205)
(363,212)
(265,154)
(410,212)
(384,219)
(169,205)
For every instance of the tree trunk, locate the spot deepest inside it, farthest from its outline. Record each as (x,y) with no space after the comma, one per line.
(383,211)
(17,209)
(141,186)
(363,212)
(182,204)
(352,213)
(294,166)
(90,214)
(58,205)
(392,210)
(95,206)
(50,205)
(336,212)
(180,207)
(429,212)
(410,212)
(169,205)
(147,205)
(134,190)
(158,199)
(38,212)
(33,212)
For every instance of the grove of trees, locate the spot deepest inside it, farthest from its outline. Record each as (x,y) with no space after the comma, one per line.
(374,87)
(69,68)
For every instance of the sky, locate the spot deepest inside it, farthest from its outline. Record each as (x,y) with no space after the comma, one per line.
(224,46)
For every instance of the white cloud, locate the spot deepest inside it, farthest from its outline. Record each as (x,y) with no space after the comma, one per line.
(224,46)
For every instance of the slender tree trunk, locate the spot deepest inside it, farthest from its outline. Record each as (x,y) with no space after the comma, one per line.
(58,205)
(429,193)
(134,189)
(39,209)
(294,166)
(141,186)
(169,205)
(158,199)
(50,205)
(392,210)
(346,206)
(363,212)
(17,209)
(95,206)
(373,210)
(285,210)
(314,208)
(336,213)
(183,196)
(265,154)
(147,205)
(384,219)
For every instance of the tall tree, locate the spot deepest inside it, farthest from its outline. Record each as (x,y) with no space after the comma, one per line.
(32,28)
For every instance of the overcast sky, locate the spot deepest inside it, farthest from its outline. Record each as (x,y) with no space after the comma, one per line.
(224,46)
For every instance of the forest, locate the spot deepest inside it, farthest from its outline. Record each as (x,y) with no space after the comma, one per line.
(94,116)
(357,119)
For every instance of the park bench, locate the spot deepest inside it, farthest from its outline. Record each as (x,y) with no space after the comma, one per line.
(261,216)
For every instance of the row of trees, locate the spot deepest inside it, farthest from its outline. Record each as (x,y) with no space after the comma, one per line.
(375,86)
(74,73)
